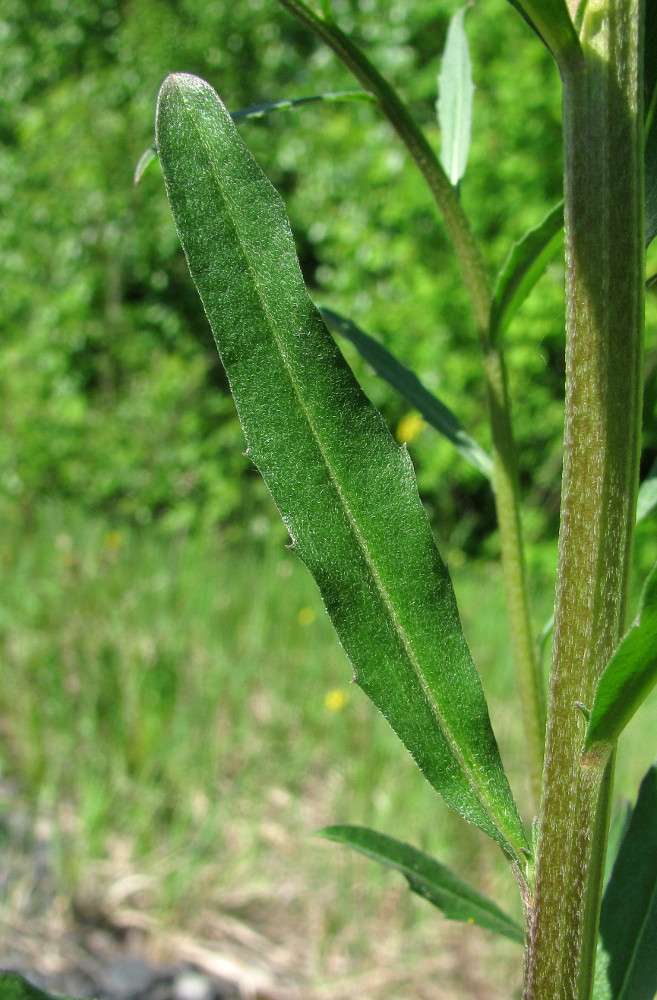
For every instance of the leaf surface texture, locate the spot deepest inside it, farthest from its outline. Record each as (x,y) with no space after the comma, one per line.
(346,491)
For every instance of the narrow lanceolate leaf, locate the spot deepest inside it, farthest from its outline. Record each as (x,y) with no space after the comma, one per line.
(259,111)
(429,879)
(647,498)
(345,489)
(14,987)
(551,22)
(523,267)
(406,382)
(454,104)
(627,952)
(627,679)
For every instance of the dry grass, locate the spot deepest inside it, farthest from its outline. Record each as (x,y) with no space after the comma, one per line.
(166,712)
(278,932)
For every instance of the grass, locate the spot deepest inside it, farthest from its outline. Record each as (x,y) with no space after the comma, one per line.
(182,709)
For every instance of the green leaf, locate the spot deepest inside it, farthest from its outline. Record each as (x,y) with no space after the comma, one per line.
(627,956)
(647,498)
(617,830)
(259,111)
(627,679)
(545,633)
(406,382)
(454,104)
(551,22)
(346,491)
(429,879)
(144,162)
(14,987)
(523,267)
(650,111)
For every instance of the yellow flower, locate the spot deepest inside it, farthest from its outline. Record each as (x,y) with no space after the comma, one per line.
(306,616)
(113,540)
(410,427)
(335,700)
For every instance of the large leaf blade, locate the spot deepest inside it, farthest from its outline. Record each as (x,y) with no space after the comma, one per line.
(627,679)
(407,384)
(454,104)
(345,490)
(523,267)
(627,956)
(428,878)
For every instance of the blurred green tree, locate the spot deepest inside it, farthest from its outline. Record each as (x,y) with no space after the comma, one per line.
(112,391)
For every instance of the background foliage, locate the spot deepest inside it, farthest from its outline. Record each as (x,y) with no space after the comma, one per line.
(112,389)
(158,672)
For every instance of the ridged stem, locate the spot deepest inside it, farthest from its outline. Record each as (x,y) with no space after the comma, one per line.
(603,162)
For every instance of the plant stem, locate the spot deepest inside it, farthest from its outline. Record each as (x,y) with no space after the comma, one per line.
(444,193)
(516,587)
(603,162)
(505,478)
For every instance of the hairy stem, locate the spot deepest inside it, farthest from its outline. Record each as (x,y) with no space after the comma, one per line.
(507,491)
(603,161)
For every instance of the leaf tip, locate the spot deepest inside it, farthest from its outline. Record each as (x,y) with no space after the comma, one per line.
(144,162)
(177,84)
(176,81)
(326,832)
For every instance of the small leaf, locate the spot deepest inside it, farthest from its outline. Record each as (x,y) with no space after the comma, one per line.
(14,987)
(523,267)
(650,111)
(144,163)
(627,679)
(647,498)
(429,879)
(552,23)
(545,634)
(650,184)
(259,111)
(627,956)
(454,104)
(327,10)
(346,491)
(406,382)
